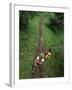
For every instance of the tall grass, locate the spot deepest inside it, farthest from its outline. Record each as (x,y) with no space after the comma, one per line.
(28,44)
(54,66)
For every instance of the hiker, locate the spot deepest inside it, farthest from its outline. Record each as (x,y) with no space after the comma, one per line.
(47,53)
(39,61)
(41,58)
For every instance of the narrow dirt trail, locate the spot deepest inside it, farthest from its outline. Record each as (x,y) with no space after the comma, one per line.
(39,70)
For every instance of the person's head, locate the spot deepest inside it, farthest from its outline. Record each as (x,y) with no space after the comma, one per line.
(41,55)
(49,50)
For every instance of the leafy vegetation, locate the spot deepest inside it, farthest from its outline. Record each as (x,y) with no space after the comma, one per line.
(56,22)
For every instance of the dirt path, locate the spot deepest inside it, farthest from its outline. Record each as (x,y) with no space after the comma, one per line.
(39,70)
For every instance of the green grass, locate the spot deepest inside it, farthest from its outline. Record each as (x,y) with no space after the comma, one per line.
(28,45)
(54,66)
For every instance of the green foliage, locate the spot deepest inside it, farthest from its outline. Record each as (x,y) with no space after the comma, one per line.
(56,22)
(27,46)
(24,19)
(54,66)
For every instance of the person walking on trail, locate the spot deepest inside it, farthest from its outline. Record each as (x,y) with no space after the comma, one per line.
(40,59)
(47,53)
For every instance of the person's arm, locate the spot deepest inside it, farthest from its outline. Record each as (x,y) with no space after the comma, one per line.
(42,60)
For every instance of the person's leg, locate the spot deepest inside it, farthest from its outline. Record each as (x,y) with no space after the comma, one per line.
(41,71)
(33,68)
